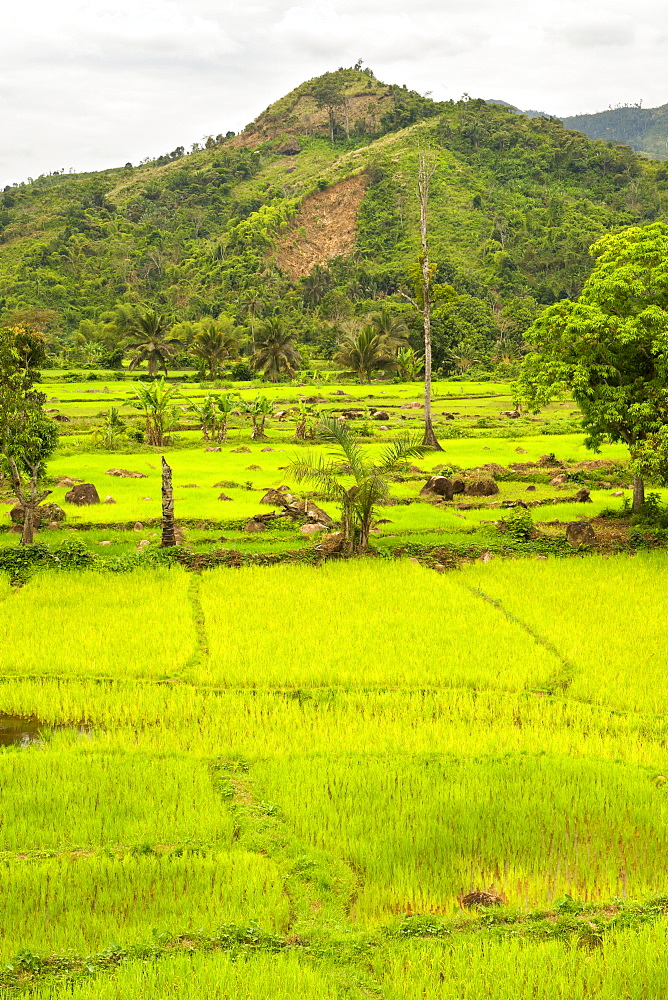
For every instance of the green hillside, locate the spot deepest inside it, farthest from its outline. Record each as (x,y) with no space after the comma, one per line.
(644,129)
(277,211)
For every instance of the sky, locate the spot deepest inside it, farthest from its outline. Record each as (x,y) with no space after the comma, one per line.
(86,86)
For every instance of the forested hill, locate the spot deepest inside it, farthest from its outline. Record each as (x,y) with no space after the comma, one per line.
(283,218)
(644,129)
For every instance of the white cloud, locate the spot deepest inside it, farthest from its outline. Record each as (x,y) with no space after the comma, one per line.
(94,84)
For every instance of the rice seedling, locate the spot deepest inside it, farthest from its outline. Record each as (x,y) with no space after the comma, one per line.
(363,625)
(63,800)
(84,904)
(605,615)
(86,624)
(421,829)
(217,977)
(629,965)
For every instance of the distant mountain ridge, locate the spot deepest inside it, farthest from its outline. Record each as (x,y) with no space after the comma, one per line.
(643,129)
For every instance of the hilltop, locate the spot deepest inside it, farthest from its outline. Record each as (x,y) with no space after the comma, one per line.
(322,228)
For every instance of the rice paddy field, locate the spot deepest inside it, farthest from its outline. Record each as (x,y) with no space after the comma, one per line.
(252,781)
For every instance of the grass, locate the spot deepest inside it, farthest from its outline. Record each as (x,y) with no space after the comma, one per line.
(321,638)
(621,666)
(62,800)
(77,904)
(87,624)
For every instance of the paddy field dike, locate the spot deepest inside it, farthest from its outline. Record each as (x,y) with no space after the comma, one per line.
(249,771)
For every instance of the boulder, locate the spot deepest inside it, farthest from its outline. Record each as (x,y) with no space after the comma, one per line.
(45,514)
(68,481)
(127,474)
(548,460)
(481,898)
(442,486)
(582,496)
(559,480)
(448,416)
(531,489)
(254,525)
(61,418)
(481,488)
(243,450)
(580,533)
(254,468)
(511,414)
(109,500)
(83,495)
(312,528)
(213,449)
(266,449)
(138,526)
(380,415)
(330,544)
(521,451)
(224,496)
(276,498)
(412,406)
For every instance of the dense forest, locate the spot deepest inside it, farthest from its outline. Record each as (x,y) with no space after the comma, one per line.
(515,204)
(644,129)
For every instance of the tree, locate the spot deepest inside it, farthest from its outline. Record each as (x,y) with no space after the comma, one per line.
(327,93)
(214,345)
(258,409)
(27,436)
(359,484)
(149,341)
(423,291)
(363,351)
(214,411)
(155,402)
(389,325)
(251,303)
(409,363)
(276,353)
(610,350)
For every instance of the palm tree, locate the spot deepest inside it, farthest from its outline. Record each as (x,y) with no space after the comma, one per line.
(359,484)
(214,345)
(389,325)
(258,409)
(251,303)
(150,342)
(275,353)
(365,350)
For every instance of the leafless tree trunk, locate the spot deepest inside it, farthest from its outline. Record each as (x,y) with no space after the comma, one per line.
(426,169)
(638,494)
(168,530)
(347,116)
(29,500)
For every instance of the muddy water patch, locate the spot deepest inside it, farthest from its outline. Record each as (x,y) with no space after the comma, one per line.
(25,731)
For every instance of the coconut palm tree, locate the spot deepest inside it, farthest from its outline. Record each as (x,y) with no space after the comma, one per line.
(359,484)
(389,325)
(275,353)
(363,351)
(214,345)
(149,341)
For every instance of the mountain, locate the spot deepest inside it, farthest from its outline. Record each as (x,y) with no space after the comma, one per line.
(321,229)
(644,129)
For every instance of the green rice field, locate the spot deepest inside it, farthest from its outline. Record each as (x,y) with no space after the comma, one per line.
(254,772)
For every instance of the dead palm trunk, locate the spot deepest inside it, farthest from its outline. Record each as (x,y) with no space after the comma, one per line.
(168,529)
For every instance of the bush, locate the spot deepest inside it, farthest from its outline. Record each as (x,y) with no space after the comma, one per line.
(518,524)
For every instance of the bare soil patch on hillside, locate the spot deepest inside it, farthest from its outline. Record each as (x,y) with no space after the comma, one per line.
(325,227)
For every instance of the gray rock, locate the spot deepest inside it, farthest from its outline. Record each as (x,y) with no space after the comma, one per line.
(83,495)
(481,488)
(580,533)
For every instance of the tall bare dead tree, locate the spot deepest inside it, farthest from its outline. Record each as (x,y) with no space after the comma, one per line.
(423,297)
(168,530)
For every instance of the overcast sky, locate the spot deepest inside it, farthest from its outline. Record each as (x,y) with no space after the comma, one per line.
(92,85)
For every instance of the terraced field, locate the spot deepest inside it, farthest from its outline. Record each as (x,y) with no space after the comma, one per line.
(270,781)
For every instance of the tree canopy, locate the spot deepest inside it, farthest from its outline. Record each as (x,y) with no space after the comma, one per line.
(610,348)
